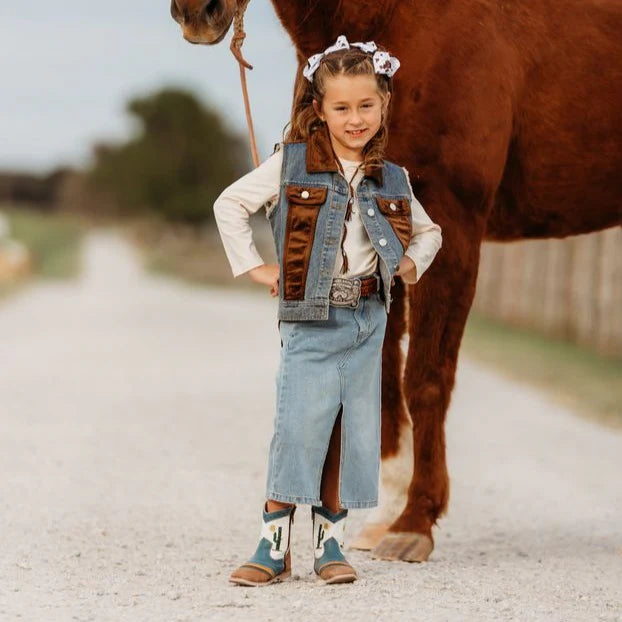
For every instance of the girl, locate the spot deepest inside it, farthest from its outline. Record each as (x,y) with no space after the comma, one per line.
(345,222)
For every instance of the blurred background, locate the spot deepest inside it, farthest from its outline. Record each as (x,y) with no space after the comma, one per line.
(110,119)
(109,114)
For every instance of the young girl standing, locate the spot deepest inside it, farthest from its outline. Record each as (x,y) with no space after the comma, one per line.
(345,222)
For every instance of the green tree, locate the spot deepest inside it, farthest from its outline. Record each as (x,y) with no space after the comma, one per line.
(180,161)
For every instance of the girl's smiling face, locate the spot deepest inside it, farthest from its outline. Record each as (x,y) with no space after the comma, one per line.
(352,108)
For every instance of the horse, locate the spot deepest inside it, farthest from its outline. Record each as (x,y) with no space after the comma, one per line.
(506,114)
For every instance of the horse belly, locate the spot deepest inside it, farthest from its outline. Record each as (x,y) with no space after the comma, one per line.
(563,174)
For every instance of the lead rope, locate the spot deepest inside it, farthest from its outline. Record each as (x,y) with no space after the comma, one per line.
(236,48)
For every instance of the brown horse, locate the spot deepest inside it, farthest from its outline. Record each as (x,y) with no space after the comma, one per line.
(507,115)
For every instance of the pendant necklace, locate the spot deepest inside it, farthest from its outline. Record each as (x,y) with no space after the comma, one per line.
(344,267)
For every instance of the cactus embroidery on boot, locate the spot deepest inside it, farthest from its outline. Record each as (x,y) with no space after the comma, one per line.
(276,532)
(276,537)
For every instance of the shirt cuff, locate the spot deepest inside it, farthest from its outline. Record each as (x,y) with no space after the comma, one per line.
(241,269)
(411,255)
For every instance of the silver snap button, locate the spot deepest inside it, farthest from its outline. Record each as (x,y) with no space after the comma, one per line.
(382,242)
(304,194)
(393,206)
(370,212)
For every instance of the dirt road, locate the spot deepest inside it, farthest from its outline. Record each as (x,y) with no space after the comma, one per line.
(136,415)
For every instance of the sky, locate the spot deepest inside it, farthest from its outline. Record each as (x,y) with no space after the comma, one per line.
(68,69)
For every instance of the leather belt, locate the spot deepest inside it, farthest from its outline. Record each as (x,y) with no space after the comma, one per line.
(346,292)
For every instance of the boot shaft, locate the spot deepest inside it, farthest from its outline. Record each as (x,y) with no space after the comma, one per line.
(328,530)
(276,529)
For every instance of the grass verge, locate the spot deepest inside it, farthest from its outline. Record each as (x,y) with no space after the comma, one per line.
(53,241)
(575,376)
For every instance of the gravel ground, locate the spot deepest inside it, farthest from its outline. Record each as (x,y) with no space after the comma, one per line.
(136,415)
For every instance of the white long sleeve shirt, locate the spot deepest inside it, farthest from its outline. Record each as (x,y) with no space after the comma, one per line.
(260,187)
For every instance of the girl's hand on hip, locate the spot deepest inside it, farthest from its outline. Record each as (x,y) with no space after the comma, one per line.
(266,274)
(407,270)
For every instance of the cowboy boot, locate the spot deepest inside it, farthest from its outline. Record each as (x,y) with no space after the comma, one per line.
(328,540)
(271,561)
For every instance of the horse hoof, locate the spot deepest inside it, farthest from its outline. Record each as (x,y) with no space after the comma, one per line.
(369,536)
(404,546)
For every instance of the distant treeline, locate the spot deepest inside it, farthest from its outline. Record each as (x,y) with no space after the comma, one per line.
(42,190)
(180,159)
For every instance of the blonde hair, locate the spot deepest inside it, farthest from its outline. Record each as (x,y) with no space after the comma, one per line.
(349,62)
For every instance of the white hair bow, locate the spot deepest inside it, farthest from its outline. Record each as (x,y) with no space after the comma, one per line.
(383,61)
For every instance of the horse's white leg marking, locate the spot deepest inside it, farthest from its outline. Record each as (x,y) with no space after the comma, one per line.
(395,475)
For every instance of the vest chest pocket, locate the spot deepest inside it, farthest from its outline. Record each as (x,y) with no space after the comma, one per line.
(397,212)
(303,206)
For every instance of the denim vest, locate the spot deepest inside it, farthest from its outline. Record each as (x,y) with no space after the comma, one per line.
(308,218)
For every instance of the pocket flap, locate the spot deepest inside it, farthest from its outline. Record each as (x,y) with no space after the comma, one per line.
(393,206)
(306,195)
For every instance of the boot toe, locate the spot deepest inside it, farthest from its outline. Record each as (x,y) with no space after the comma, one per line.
(337,572)
(248,574)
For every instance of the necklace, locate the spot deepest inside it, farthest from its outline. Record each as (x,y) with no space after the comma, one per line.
(344,267)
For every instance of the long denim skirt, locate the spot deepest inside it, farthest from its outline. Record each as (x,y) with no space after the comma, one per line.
(327,365)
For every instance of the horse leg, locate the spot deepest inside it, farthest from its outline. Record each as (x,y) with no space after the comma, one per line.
(395,474)
(438,308)
(396,432)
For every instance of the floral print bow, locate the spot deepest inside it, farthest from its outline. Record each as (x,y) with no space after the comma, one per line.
(383,61)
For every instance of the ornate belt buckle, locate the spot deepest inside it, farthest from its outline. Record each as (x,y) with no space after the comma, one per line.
(345,292)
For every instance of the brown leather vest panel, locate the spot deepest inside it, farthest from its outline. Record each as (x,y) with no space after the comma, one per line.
(303,206)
